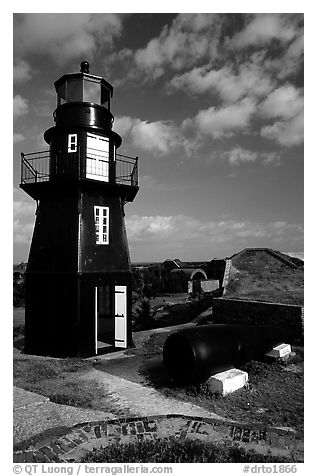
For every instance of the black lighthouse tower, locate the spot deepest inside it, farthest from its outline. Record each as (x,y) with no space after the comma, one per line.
(78,278)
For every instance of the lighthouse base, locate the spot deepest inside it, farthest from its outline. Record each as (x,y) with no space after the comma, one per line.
(71,315)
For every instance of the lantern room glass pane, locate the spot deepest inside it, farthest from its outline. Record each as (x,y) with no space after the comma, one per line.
(92,91)
(61,94)
(105,97)
(74,90)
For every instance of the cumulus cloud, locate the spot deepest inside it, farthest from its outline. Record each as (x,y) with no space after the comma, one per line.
(238,155)
(290,62)
(20,106)
(123,125)
(284,102)
(210,54)
(190,36)
(264,28)
(271,158)
(21,71)
(155,136)
(287,133)
(185,230)
(64,35)
(158,137)
(225,120)
(230,86)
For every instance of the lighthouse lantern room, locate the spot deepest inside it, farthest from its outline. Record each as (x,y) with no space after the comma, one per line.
(78,277)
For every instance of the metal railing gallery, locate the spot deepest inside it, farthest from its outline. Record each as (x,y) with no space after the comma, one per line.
(42,166)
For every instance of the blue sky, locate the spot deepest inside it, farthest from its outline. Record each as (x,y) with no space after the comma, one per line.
(211,103)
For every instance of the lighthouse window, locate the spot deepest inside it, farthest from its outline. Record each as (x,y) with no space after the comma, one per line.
(102,225)
(72,142)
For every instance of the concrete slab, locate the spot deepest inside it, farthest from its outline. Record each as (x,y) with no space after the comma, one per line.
(141,400)
(227,382)
(35,413)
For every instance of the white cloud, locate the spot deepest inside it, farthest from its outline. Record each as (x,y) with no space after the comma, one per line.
(287,133)
(284,102)
(289,63)
(185,230)
(190,36)
(271,158)
(238,155)
(123,125)
(64,35)
(138,227)
(264,28)
(20,106)
(21,71)
(154,136)
(230,86)
(157,137)
(226,120)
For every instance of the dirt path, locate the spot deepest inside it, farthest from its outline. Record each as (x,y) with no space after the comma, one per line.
(131,393)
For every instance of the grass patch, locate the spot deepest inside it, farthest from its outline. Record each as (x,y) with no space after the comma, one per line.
(281,285)
(177,451)
(274,396)
(62,380)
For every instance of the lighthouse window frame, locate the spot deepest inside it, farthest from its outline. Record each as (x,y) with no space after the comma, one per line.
(72,142)
(102,221)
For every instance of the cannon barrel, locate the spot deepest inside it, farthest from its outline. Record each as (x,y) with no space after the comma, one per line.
(192,355)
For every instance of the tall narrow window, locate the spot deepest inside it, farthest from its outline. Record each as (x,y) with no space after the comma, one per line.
(102,225)
(72,142)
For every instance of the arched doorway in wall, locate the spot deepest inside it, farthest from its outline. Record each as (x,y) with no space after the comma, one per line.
(179,278)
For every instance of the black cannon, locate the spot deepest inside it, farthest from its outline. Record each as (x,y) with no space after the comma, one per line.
(192,355)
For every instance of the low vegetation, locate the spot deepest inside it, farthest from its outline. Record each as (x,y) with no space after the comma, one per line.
(178,451)
(63,381)
(148,314)
(267,283)
(56,379)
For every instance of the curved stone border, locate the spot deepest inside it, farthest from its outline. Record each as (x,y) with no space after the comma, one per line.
(69,445)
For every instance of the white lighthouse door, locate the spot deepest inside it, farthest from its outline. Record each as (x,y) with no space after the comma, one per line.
(120,325)
(97,157)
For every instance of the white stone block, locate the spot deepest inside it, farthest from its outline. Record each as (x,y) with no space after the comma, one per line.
(228,381)
(279,351)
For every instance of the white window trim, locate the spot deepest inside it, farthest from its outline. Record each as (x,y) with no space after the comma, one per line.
(101,213)
(72,143)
